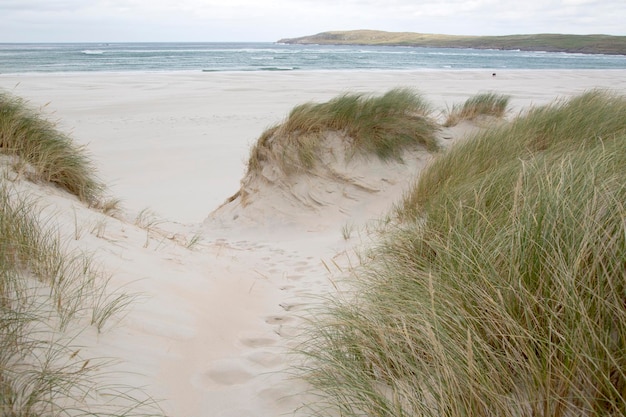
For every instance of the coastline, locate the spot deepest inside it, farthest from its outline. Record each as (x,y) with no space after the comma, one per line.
(543,42)
(275,57)
(210,333)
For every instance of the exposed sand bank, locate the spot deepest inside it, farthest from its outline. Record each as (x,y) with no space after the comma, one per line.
(210,333)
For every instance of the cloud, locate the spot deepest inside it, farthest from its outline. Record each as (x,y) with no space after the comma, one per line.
(268,20)
(37,6)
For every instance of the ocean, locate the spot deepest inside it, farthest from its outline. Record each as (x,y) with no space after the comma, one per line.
(125,57)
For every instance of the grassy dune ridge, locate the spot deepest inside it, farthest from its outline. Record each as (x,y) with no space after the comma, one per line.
(482,104)
(590,44)
(499,289)
(44,152)
(50,294)
(371,125)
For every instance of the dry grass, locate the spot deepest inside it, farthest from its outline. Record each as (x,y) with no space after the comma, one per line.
(485,104)
(383,126)
(501,290)
(49,294)
(579,122)
(44,153)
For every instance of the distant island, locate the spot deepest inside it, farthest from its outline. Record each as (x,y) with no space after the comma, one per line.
(586,44)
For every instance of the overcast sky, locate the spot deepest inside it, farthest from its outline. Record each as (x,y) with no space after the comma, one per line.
(270,20)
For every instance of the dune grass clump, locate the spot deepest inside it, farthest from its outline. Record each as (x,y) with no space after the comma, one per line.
(49,295)
(45,153)
(581,122)
(383,126)
(502,289)
(484,104)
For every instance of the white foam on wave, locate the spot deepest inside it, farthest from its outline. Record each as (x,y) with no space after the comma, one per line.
(92,52)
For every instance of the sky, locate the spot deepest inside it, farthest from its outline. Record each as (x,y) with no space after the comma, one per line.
(271,20)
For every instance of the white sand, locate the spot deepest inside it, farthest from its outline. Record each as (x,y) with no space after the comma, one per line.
(210,334)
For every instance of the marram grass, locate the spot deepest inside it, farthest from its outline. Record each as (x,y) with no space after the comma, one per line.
(484,104)
(501,290)
(383,126)
(45,153)
(49,294)
(583,121)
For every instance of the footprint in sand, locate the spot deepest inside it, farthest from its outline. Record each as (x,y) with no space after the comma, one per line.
(226,372)
(257,342)
(266,359)
(303,266)
(278,319)
(281,325)
(292,306)
(295,277)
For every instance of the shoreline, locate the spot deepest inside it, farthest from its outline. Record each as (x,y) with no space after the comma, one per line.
(299,71)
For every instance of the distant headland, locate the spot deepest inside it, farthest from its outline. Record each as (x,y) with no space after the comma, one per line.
(587,44)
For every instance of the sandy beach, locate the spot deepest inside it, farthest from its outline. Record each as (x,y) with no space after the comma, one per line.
(177,143)
(221,295)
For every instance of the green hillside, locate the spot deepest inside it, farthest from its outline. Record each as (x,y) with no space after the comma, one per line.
(588,44)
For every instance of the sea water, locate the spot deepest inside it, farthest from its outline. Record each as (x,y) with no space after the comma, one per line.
(124,57)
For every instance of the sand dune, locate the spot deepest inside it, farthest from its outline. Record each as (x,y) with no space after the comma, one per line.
(222,286)
(340,189)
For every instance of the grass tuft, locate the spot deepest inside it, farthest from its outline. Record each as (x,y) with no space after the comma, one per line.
(485,104)
(383,126)
(44,152)
(49,295)
(500,290)
(581,122)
